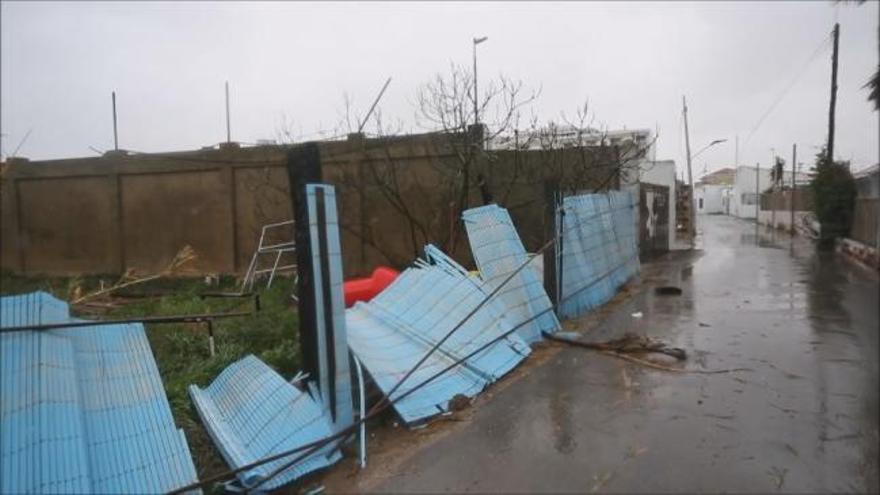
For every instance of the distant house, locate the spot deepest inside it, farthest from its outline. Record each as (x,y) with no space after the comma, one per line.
(744,195)
(712,192)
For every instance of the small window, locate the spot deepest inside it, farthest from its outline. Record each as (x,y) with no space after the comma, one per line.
(749,198)
(701,203)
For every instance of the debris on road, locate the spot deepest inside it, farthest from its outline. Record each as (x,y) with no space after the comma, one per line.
(630,343)
(667,290)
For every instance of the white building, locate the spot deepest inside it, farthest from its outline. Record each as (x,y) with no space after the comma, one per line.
(553,137)
(712,198)
(747,183)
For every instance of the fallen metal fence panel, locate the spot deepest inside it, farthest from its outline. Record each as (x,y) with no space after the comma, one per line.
(251,412)
(391,333)
(498,252)
(83,410)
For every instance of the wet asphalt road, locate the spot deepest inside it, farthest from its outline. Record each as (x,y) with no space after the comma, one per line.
(804,419)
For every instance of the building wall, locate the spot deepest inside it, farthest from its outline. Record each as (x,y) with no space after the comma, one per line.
(712,199)
(744,199)
(662,173)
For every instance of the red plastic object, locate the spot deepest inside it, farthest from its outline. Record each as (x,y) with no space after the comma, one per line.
(364,289)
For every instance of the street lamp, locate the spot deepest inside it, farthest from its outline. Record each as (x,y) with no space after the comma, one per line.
(713,143)
(477,41)
(693,214)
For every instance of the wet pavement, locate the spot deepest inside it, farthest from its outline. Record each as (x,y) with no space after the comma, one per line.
(802,418)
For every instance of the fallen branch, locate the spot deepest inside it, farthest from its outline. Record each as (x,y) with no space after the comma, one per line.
(183,257)
(630,343)
(621,348)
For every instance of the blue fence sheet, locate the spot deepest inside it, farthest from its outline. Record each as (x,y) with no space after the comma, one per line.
(83,410)
(499,252)
(599,249)
(251,413)
(336,393)
(392,332)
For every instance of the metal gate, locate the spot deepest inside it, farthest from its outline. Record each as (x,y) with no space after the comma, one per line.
(653,219)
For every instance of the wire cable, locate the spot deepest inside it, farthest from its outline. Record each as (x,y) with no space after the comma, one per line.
(788,88)
(386,402)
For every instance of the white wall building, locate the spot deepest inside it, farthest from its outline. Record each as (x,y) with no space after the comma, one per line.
(712,198)
(746,185)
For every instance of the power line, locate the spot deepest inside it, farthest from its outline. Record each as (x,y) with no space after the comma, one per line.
(788,88)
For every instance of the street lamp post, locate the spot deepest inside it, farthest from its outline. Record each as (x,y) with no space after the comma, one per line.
(713,143)
(477,41)
(693,215)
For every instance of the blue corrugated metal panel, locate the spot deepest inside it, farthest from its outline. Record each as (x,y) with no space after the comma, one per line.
(33,308)
(599,249)
(498,251)
(251,413)
(392,332)
(83,409)
(343,416)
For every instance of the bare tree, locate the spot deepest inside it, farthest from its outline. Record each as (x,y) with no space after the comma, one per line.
(446,104)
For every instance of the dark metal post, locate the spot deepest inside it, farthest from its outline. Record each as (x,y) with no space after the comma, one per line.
(228,126)
(552,276)
(793,182)
(304,167)
(115,135)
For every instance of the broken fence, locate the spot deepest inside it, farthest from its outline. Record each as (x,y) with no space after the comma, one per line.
(597,251)
(415,314)
(437,332)
(83,410)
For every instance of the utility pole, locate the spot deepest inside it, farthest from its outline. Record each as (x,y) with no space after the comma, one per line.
(115,135)
(833,105)
(692,227)
(736,153)
(228,128)
(773,171)
(793,182)
(757,192)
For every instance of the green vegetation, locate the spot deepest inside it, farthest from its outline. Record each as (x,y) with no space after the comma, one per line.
(834,193)
(182,351)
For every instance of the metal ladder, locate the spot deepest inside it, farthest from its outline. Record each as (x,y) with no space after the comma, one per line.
(278,249)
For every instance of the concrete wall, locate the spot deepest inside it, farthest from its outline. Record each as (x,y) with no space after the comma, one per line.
(776,207)
(118,212)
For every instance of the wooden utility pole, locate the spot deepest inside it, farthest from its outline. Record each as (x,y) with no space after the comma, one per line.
(692,227)
(793,182)
(833,105)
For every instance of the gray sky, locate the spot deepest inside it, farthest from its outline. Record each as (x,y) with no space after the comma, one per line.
(633,61)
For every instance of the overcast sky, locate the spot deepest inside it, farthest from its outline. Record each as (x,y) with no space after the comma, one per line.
(632,61)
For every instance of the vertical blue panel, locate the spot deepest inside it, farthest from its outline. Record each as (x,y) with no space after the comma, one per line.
(342,377)
(499,252)
(599,249)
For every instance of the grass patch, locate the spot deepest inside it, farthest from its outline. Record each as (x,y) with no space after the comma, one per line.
(182,351)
